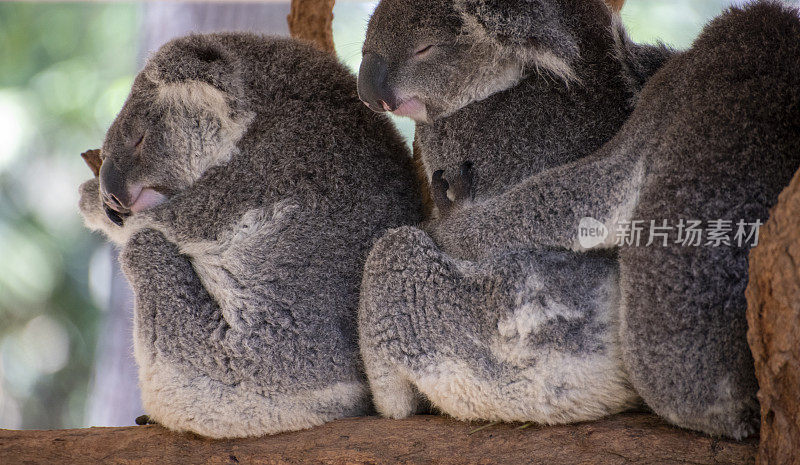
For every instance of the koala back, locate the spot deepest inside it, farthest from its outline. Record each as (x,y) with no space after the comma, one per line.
(309,138)
(718,126)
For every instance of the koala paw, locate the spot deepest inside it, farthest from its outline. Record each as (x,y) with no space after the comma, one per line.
(115,216)
(462,190)
(143,420)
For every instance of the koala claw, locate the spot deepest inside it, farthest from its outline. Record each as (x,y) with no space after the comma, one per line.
(462,189)
(114,216)
(142,420)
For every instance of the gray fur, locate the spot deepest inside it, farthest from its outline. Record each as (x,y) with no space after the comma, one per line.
(512,337)
(417,320)
(714,135)
(246,278)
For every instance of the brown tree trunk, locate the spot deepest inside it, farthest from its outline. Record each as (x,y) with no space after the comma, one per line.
(615,5)
(423,183)
(773,315)
(312,20)
(619,440)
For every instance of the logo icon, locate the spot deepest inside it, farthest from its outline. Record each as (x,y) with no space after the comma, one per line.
(591,233)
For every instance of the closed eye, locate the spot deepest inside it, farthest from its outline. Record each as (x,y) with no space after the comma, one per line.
(422,51)
(139,142)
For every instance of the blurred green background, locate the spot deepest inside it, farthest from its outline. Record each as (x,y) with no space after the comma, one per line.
(66,70)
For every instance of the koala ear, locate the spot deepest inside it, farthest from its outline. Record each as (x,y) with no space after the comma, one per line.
(521,25)
(202,58)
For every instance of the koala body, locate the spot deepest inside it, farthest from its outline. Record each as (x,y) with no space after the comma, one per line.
(547,346)
(250,183)
(513,337)
(713,136)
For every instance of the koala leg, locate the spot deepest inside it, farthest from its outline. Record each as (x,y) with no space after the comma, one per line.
(526,336)
(199,374)
(683,333)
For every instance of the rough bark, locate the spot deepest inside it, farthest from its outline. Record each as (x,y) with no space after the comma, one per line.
(423,182)
(773,315)
(615,5)
(312,20)
(623,439)
(93,160)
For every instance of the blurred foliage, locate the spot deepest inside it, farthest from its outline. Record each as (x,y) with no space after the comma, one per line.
(66,70)
(673,22)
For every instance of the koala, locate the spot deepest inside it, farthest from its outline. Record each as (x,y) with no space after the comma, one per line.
(245,183)
(713,135)
(513,337)
(535,106)
(543,348)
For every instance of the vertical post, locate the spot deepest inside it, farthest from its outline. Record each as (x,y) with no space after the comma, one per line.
(312,21)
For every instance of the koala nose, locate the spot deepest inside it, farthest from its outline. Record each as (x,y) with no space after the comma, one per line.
(113,188)
(372,88)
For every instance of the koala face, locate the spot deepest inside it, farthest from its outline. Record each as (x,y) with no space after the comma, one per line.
(425,60)
(184,115)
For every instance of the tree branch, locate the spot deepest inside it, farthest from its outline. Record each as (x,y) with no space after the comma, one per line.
(312,20)
(615,5)
(623,439)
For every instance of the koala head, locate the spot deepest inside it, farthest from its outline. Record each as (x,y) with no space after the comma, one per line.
(425,60)
(185,113)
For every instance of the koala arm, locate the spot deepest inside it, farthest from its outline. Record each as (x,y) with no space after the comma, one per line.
(175,317)
(545,209)
(172,305)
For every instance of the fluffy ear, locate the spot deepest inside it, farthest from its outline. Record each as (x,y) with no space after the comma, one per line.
(528,24)
(199,58)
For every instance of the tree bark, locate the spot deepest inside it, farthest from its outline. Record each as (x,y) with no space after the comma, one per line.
(623,439)
(615,5)
(312,21)
(423,183)
(773,315)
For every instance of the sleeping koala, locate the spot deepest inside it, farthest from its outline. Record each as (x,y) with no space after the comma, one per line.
(245,183)
(713,136)
(534,107)
(509,336)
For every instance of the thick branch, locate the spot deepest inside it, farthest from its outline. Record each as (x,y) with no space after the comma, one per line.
(773,315)
(624,439)
(312,20)
(615,5)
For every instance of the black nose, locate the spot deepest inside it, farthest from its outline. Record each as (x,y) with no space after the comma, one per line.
(372,88)
(113,188)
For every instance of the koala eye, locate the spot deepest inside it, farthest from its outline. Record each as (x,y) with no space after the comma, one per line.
(139,142)
(422,51)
